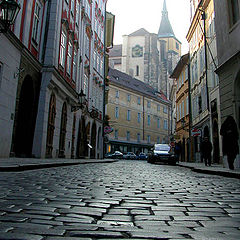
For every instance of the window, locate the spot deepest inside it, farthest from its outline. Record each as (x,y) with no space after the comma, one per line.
(128,97)
(128,115)
(63,48)
(117,94)
(183,112)
(139,117)
(148,104)
(148,120)
(186,73)
(85,84)
(116,112)
(116,134)
(158,123)
(72,7)
(137,70)
(233,10)
(199,104)
(36,21)
(148,139)
(165,109)
(139,100)
(69,58)
(165,124)
(158,107)
(187,108)
(87,42)
(128,136)
(158,140)
(77,13)
(74,76)
(177,46)
(138,137)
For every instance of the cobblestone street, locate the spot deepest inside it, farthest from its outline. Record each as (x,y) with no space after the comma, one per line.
(125,199)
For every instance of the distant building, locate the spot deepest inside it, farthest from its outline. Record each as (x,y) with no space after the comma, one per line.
(227,24)
(149,57)
(138,114)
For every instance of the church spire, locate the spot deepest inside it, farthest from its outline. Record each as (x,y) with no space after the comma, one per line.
(165,29)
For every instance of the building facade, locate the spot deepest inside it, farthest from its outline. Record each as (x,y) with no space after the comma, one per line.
(180,74)
(205,99)
(138,114)
(227,22)
(60,52)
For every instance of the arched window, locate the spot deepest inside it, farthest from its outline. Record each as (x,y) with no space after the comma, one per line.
(63,128)
(137,70)
(51,127)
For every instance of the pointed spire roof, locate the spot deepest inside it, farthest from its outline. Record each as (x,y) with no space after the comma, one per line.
(165,29)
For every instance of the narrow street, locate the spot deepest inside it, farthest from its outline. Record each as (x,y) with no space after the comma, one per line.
(121,200)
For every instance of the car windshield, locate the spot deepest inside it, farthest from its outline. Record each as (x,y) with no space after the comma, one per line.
(162,147)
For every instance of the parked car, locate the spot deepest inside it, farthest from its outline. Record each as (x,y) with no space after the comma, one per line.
(108,155)
(117,154)
(162,153)
(142,156)
(129,155)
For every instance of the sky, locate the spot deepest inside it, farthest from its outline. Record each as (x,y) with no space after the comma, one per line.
(131,15)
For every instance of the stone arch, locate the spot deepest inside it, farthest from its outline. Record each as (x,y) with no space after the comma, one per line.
(93,140)
(215,132)
(236,100)
(51,125)
(63,130)
(25,120)
(82,139)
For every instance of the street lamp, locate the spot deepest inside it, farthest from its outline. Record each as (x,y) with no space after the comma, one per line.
(8,12)
(81,102)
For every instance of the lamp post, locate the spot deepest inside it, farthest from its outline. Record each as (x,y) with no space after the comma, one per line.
(81,102)
(8,12)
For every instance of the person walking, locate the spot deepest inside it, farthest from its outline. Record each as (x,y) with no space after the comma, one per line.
(206,148)
(229,133)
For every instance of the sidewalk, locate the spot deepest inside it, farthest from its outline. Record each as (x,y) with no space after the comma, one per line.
(22,164)
(215,169)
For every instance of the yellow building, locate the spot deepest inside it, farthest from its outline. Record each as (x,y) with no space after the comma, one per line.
(138,114)
(180,74)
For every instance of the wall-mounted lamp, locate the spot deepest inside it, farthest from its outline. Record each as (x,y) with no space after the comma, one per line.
(81,102)
(8,12)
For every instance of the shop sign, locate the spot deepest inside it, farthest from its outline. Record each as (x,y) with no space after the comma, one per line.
(108,129)
(195,132)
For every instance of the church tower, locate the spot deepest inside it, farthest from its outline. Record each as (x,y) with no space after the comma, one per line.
(169,48)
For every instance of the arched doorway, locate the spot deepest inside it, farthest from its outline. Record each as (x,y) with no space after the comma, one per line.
(63,129)
(206,131)
(216,154)
(93,141)
(51,126)
(82,139)
(26,111)
(99,142)
(237,99)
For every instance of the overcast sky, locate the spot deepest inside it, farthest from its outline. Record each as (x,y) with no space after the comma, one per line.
(131,15)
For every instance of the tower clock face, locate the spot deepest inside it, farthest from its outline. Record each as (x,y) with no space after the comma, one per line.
(137,51)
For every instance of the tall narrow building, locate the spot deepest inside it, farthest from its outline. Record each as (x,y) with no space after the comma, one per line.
(169,48)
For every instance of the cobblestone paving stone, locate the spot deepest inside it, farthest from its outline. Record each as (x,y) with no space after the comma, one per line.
(121,200)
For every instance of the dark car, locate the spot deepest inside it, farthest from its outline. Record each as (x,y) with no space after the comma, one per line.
(162,153)
(108,155)
(142,156)
(129,155)
(117,154)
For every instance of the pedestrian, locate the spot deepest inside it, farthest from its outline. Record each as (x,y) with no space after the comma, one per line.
(206,149)
(230,137)
(177,150)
